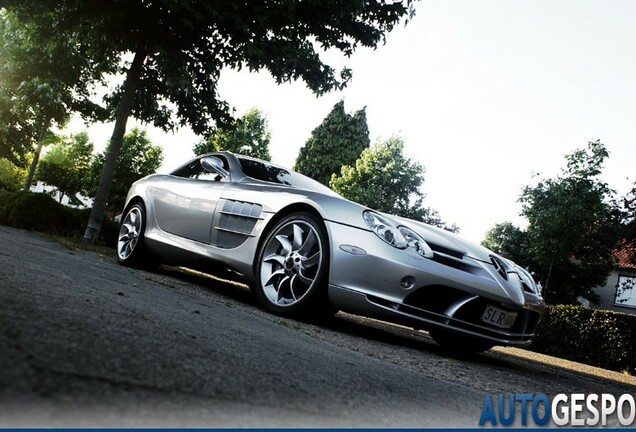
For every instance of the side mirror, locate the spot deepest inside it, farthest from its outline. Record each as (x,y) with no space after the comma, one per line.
(213,164)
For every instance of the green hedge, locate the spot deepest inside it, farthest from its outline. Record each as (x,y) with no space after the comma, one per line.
(596,337)
(39,212)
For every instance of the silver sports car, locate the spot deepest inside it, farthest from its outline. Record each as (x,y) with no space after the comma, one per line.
(306,251)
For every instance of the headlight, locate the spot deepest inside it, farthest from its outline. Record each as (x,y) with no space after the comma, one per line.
(416,242)
(384,229)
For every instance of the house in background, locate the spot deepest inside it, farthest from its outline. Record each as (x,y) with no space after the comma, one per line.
(619,292)
(82,201)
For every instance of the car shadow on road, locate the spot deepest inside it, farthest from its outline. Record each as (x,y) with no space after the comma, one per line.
(230,286)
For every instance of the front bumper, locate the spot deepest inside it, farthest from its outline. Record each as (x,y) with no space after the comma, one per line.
(450,291)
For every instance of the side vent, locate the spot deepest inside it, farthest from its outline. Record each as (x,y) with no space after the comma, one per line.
(235,222)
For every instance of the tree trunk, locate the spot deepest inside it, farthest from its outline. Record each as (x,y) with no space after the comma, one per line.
(112,152)
(547,281)
(36,155)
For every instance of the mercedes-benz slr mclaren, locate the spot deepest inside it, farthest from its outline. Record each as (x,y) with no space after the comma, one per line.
(307,252)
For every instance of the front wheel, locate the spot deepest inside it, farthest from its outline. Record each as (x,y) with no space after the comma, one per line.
(292,267)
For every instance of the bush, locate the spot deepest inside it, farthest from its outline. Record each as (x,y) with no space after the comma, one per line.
(6,202)
(592,336)
(39,212)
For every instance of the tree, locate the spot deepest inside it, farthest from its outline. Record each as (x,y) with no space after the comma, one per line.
(42,80)
(66,164)
(386,180)
(338,140)
(509,241)
(138,158)
(179,48)
(248,135)
(573,227)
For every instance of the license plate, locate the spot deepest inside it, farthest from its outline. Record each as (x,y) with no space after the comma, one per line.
(498,317)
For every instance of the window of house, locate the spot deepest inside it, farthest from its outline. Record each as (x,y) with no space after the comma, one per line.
(626,291)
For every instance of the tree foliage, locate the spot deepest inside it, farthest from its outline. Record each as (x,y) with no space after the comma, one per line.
(338,140)
(573,227)
(248,135)
(508,240)
(42,80)
(66,164)
(11,176)
(179,48)
(384,179)
(138,158)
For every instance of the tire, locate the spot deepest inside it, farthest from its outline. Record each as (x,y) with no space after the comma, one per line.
(292,268)
(131,248)
(459,344)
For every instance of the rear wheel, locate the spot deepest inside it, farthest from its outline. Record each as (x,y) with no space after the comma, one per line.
(292,267)
(131,249)
(458,343)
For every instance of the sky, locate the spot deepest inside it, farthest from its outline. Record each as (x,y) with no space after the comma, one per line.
(486,94)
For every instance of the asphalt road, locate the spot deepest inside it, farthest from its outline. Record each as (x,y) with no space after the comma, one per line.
(86,342)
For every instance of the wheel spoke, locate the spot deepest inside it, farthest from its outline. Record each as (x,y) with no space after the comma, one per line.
(310,241)
(273,276)
(287,246)
(299,288)
(298,237)
(292,283)
(128,249)
(280,259)
(122,247)
(280,297)
(304,279)
(312,261)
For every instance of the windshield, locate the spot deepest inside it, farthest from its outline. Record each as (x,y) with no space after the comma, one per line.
(259,170)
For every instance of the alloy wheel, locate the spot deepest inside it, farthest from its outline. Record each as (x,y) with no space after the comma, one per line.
(291,263)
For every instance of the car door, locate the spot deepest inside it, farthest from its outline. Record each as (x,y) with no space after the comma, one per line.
(185,202)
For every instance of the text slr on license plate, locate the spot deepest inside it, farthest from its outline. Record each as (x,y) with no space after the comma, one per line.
(498,317)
